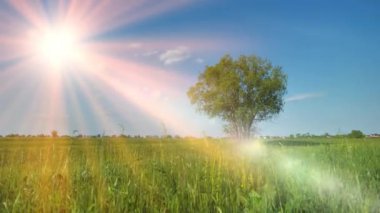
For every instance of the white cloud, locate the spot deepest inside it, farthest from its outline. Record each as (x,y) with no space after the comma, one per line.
(176,55)
(150,53)
(304,96)
(200,60)
(134,45)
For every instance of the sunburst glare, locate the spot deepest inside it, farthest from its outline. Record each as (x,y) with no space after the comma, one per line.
(58,46)
(52,39)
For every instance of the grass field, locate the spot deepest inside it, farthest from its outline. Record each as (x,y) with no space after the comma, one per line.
(178,175)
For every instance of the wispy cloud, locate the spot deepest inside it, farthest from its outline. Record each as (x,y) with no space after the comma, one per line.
(150,53)
(199,60)
(175,55)
(134,45)
(304,96)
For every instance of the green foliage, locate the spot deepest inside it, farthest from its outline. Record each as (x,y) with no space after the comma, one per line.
(356,134)
(240,92)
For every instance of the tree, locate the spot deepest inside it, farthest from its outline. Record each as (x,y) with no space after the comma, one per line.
(54,133)
(241,92)
(356,134)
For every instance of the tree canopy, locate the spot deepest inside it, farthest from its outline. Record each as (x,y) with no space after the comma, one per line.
(241,92)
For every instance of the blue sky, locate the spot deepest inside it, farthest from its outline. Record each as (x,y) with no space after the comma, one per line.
(329,50)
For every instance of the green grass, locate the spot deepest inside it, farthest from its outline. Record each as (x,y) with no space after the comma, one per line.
(141,175)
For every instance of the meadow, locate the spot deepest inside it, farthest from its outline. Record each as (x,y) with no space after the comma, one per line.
(189,175)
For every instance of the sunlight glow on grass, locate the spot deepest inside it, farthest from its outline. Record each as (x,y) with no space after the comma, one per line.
(254,148)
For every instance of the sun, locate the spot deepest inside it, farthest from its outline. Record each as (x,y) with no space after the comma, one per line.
(58,46)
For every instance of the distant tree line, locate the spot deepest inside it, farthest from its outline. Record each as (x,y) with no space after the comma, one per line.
(352,134)
(54,134)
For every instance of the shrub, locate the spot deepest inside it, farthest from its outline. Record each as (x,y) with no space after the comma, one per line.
(54,133)
(356,134)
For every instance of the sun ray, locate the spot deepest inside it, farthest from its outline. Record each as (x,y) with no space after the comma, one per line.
(126,13)
(73,105)
(15,47)
(31,10)
(108,105)
(132,87)
(103,121)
